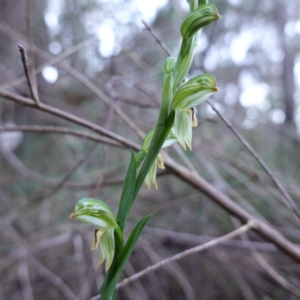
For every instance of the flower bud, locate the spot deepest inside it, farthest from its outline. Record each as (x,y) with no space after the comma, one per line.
(194,92)
(169,65)
(183,128)
(96,212)
(151,176)
(202,16)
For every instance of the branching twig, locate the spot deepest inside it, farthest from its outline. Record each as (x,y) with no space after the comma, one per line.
(268,268)
(180,255)
(28,75)
(190,251)
(288,200)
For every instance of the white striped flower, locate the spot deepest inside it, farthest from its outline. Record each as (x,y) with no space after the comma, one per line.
(96,212)
(187,97)
(200,17)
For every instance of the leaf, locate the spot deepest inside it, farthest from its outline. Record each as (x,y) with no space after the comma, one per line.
(126,252)
(128,193)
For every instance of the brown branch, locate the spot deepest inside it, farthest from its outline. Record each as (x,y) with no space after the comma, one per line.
(289,201)
(31,53)
(185,253)
(28,75)
(62,130)
(51,60)
(156,37)
(105,155)
(67,116)
(14,235)
(278,278)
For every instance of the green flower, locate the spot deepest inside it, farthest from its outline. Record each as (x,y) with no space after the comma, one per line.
(187,97)
(184,121)
(96,212)
(151,176)
(200,17)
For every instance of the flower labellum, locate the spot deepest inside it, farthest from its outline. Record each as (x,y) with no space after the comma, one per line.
(200,17)
(96,212)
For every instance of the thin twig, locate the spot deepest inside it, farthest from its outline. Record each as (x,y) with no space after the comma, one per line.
(14,235)
(67,116)
(51,60)
(72,171)
(155,36)
(190,251)
(62,130)
(28,75)
(30,52)
(105,155)
(289,201)
(278,278)
(180,255)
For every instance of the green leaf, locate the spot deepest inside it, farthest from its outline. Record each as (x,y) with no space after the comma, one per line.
(126,252)
(128,193)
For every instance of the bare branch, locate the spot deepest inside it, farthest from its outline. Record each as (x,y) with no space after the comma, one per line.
(67,116)
(180,255)
(62,130)
(289,201)
(190,251)
(28,75)
(156,37)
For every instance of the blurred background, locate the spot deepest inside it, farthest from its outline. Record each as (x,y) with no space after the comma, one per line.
(93,56)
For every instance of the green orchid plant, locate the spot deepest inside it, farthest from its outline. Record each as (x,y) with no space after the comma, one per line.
(176,119)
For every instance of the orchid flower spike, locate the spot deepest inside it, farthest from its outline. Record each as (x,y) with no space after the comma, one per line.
(96,212)
(187,97)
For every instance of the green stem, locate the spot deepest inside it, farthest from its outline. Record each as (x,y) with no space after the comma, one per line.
(160,135)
